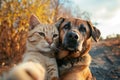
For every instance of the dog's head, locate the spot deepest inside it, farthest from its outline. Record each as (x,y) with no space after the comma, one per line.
(75,33)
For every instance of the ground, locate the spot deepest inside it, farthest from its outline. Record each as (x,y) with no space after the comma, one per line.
(105,64)
(106,59)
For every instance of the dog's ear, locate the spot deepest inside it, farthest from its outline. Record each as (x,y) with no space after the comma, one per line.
(95,33)
(59,22)
(33,21)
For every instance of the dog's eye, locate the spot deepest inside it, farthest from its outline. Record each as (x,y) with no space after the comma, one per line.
(42,34)
(55,35)
(82,28)
(67,26)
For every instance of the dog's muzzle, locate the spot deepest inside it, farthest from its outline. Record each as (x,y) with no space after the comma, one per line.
(71,41)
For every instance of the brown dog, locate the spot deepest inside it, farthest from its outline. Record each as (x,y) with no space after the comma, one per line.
(75,43)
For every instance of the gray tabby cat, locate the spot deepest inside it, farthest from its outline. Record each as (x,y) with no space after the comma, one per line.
(38,61)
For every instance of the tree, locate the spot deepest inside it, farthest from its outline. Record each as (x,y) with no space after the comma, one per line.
(14,18)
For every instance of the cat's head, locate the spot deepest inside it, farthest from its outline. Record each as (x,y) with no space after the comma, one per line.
(41,37)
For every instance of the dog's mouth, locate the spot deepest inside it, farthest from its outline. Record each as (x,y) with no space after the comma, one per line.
(70,47)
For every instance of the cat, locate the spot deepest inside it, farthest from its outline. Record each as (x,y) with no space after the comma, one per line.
(38,62)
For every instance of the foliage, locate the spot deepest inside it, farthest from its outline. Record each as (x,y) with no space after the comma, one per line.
(14,23)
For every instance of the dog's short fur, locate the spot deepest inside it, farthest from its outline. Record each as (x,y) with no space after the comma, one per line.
(75,43)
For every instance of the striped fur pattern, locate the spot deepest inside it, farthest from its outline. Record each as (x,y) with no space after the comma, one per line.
(38,61)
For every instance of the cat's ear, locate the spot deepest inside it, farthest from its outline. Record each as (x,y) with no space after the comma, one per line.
(34,21)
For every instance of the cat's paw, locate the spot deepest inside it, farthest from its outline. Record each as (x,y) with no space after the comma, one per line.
(27,71)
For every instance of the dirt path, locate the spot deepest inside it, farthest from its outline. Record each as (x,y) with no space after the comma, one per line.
(106,60)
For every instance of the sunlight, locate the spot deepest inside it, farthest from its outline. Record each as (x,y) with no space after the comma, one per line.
(106,14)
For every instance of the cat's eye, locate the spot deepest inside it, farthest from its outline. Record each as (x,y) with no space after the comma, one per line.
(42,34)
(82,28)
(55,35)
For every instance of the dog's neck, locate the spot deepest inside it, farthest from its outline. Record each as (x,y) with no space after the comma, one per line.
(73,59)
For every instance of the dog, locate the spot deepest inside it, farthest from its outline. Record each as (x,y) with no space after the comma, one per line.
(74,44)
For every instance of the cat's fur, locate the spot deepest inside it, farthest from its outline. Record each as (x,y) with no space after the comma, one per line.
(38,61)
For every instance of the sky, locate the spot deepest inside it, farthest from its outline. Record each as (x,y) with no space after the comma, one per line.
(105,12)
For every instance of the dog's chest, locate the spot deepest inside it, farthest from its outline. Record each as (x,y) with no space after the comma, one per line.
(68,65)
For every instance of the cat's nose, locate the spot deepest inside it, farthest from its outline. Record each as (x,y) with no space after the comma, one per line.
(49,42)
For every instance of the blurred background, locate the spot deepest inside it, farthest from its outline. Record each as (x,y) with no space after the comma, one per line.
(104,14)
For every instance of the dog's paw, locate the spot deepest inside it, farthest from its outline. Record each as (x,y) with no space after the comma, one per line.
(27,71)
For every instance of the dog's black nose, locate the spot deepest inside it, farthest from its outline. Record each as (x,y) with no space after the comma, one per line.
(72,35)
